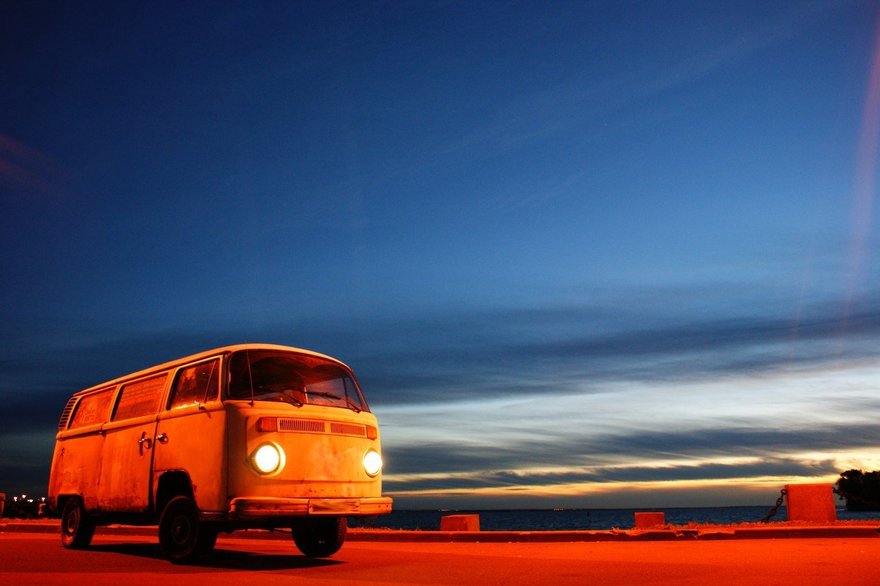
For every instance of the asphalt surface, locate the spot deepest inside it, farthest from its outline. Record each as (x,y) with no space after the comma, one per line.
(778,530)
(128,560)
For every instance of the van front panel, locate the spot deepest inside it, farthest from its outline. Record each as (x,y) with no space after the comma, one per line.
(322,451)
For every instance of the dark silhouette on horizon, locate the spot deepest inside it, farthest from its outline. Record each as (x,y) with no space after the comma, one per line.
(860,490)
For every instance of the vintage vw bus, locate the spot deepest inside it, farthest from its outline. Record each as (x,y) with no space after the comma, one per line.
(247,436)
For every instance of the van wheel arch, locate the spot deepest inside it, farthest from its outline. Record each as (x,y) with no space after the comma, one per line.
(172,484)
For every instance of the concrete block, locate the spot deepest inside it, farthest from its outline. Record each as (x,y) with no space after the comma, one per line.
(810,502)
(650,520)
(460,523)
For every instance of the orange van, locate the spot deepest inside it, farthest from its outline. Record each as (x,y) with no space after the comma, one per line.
(246,436)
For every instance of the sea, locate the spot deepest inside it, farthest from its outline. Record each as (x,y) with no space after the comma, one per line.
(583,519)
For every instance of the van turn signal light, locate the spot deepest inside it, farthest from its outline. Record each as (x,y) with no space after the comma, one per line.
(267,424)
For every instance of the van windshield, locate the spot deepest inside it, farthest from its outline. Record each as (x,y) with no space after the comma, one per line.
(299,379)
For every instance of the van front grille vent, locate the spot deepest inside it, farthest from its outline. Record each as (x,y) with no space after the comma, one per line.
(313,426)
(301,425)
(348,429)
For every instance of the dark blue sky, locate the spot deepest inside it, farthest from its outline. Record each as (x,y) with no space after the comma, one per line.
(591,254)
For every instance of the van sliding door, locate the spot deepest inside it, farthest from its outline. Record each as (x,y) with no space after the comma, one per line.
(127,454)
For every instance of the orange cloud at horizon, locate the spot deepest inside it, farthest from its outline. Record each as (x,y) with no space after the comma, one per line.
(756,491)
(733,490)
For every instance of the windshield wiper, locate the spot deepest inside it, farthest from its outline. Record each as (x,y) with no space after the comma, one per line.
(289,398)
(352,406)
(348,401)
(286,395)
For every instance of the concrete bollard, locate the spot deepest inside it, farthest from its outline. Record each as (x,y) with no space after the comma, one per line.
(650,520)
(460,523)
(810,502)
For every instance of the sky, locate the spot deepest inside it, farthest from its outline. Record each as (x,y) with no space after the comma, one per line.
(579,254)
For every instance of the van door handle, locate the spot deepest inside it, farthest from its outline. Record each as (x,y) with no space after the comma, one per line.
(162,438)
(144,443)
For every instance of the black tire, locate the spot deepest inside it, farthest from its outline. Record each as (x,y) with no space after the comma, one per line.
(320,537)
(182,536)
(77,528)
(208,538)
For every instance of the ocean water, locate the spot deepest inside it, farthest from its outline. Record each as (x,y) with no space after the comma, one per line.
(582,519)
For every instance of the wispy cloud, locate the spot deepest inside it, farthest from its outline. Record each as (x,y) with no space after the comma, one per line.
(502,354)
(26,170)
(585,98)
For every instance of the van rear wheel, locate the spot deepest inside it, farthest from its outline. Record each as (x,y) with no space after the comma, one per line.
(320,537)
(182,536)
(77,529)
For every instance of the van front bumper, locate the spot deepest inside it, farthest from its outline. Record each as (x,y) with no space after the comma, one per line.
(253,508)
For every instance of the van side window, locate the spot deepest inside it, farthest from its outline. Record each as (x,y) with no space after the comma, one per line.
(92,409)
(140,398)
(195,384)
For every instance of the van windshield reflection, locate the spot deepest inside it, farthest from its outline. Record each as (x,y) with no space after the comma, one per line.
(298,379)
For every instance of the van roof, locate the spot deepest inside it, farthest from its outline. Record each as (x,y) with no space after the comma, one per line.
(206,354)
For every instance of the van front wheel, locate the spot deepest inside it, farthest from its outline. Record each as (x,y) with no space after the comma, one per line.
(182,536)
(320,537)
(77,529)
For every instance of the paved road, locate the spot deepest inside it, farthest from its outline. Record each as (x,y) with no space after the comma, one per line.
(132,560)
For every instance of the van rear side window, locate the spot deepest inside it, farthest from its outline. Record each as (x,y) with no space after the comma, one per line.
(195,384)
(92,409)
(140,398)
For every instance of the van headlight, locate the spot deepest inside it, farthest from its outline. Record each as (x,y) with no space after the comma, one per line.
(372,462)
(268,458)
